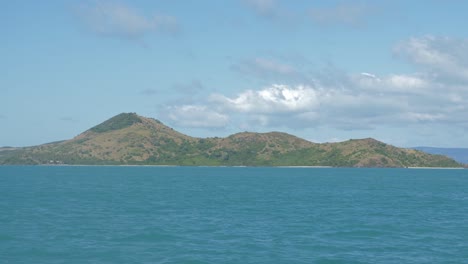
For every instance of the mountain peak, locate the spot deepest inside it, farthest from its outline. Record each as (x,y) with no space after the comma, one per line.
(119,121)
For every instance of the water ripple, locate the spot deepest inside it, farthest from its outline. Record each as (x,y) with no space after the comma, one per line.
(232,215)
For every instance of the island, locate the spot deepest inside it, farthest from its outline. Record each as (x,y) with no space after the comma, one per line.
(130,139)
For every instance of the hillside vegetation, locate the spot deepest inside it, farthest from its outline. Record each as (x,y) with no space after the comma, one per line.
(458,154)
(134,140)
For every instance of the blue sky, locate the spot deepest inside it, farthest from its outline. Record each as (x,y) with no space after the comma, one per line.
(322,70)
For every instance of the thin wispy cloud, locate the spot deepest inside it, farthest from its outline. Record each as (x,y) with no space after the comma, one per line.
(272,10)
(263,7)
(149,92)
(268,69)
(192,87)
(68,119)
(338,14)
(443,56)
(199,116)
(393,83)
(349,14)
(113,19)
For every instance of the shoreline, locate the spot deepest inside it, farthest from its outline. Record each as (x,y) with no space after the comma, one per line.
(234,166)
(437,168)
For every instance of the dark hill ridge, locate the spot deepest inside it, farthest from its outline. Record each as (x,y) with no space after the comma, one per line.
(131,139)
(117,122)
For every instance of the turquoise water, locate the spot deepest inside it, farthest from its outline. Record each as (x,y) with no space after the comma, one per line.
(232,215)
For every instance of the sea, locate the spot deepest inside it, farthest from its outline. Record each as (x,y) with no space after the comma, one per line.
(118,214)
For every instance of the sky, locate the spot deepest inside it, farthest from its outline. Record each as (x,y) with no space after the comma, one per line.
(325,71)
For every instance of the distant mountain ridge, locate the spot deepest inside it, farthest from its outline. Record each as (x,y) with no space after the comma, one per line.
(130,139)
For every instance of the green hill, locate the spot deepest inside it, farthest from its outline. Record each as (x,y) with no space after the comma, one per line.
(131,139)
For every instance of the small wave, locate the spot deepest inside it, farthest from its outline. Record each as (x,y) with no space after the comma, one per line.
(148,237)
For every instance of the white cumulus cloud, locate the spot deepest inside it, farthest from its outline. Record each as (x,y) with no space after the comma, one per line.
(391,100)
(274,99)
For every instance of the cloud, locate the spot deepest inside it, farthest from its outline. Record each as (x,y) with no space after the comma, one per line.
(393,83)
(346,13)
(192,87)
(272,10)
(424,117)
(189,88)
(196,116)
(341,14)
(68,119)
(121,21)
(435,94)
(150,92)
(262,7)
(444,57)
(274,99)
(273,66)
(268,69)
(405,82)
(355,102)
